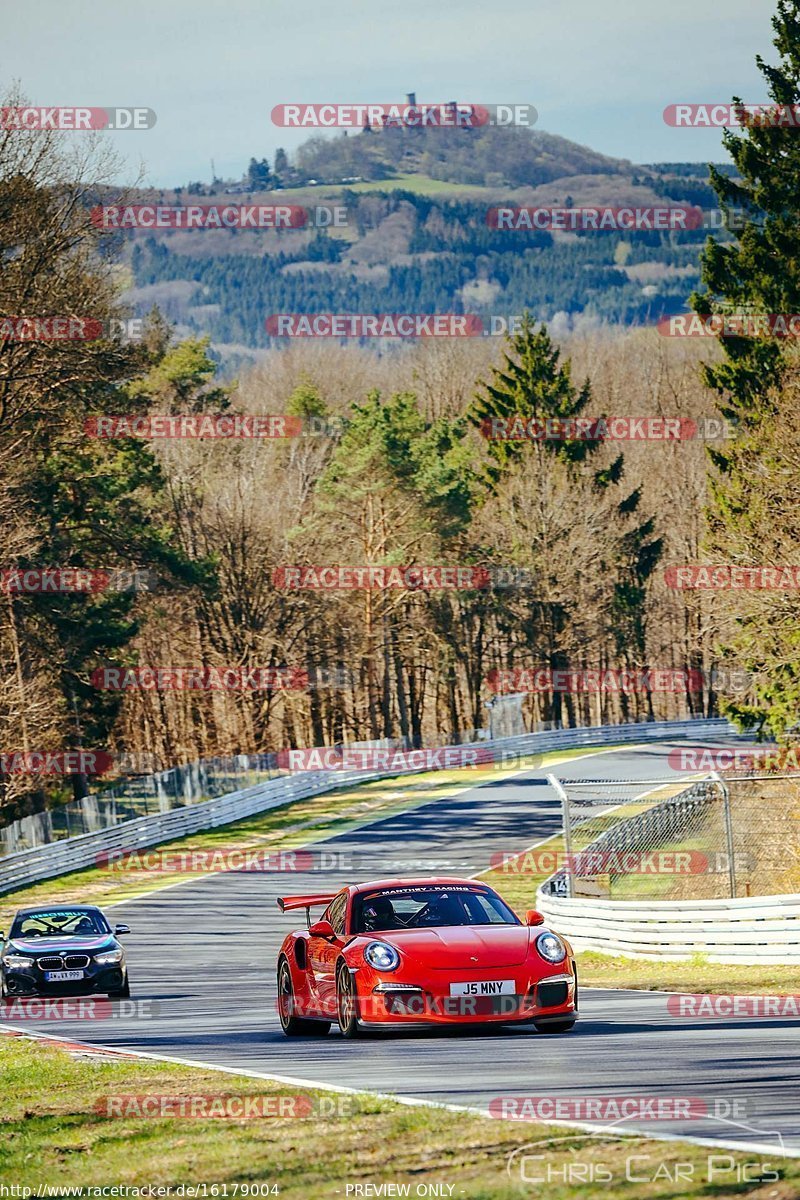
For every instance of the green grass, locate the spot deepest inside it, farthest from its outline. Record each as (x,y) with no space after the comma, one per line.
(55,1131)
(696,974)
(423,185)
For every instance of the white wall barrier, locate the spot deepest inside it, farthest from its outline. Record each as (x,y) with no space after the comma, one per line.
(71,854)
(762,929)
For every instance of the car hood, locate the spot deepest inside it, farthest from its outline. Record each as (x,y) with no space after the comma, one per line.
(463,946)
(61,945)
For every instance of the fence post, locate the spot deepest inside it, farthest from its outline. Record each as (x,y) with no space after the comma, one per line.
(555,784)
(726,809)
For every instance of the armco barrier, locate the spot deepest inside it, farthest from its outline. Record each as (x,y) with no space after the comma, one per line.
(763,929)
(70,854)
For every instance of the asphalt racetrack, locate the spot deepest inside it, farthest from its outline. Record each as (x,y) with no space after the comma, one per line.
(205,952)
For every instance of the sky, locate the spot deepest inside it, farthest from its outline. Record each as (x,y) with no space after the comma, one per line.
(599,74)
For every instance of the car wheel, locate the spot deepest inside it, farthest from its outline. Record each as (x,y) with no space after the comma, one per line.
(347,1003)
(292,1025)
(554,1026)
(123,993)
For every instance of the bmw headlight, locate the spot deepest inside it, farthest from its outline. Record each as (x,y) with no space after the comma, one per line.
(551,947)
(105,960)
(16,960)
(382,957)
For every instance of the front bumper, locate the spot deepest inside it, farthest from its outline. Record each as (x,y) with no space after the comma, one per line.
(31,981)
(392,1003)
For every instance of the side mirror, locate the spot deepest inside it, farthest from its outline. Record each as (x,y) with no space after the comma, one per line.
(2,936)
(532,917)
(322,929)
(118,929)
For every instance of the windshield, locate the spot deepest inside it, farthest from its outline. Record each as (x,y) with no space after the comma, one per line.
(429,907)
(60,922)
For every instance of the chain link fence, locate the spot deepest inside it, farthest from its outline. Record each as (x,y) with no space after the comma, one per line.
(139,796)
(725,836)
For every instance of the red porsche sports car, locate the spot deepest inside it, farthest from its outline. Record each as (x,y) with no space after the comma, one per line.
(408,952)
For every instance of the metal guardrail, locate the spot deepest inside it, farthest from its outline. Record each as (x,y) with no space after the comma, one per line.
(71,854)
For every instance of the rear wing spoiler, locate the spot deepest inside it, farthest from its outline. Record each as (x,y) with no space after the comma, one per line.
(286,903)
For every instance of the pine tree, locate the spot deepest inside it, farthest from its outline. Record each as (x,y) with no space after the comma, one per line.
(258,175)
(758,273)
(281,164)
(532,384)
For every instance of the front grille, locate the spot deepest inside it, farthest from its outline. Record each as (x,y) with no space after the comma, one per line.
(406,1004)
(551,994)
(75,962)
(56,963)
(478,1006)
(495,1006)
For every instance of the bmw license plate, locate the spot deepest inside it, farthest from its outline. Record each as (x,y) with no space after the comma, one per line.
(484,987)
(62,976)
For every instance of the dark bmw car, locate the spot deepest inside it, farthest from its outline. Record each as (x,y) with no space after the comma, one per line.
(69,951)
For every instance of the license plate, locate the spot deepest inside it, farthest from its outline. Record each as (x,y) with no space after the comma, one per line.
(484,987)
(62,976)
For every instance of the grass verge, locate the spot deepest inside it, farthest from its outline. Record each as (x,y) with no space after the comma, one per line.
(697,974)
(56,1131)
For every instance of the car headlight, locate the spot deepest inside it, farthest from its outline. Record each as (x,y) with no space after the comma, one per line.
(105,960)
(551,947)
(16,960)
(382,957)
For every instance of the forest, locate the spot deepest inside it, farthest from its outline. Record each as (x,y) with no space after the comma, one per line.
(565,549)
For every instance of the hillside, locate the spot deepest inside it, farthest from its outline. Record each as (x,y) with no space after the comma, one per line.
(487,157)
(417,237)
